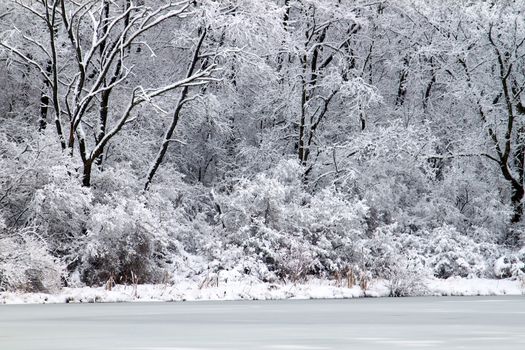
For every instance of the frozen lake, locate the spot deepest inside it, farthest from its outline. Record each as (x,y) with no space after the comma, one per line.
(392,323)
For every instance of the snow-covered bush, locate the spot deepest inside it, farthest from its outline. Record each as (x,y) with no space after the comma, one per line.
(406,278)
(189,216)
(449,253)
(124,241)
(405,258)
(26,167)
(60,211)
(510,265)
(465,200)
(388,254)
(286,254)
(239,265)
(26,264)
(293,232)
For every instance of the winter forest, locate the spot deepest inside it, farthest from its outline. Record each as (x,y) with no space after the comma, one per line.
(146,141)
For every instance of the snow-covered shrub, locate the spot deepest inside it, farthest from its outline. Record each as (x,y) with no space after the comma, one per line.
(239,265)
(60,210)
(406,278)
(465,200)
(293,232)
(26,264)
(333,223)
(178,223)
(449,253)
(388,254)
(443,252)
(189,217)
(124,241)
(40,188)
(27,167)
(405,259)
(286,254)
(510,265)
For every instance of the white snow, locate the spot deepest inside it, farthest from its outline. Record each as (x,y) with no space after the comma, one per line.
(313,289)
(476,286)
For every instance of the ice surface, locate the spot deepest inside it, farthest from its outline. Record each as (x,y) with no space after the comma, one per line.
(385,323)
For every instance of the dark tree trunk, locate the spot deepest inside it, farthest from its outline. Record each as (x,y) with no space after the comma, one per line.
(402,88)
(44,107)
(44,101)
(86,173)
(103,119)
(302,152)
(519,163)
(428,90)
(517,203)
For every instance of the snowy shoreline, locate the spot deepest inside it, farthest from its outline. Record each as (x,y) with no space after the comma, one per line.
(314,289)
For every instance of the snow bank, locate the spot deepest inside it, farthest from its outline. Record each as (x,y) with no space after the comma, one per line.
(187,291)
(476,286)
(314,289)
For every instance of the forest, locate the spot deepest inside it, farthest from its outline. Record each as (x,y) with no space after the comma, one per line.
(143,141)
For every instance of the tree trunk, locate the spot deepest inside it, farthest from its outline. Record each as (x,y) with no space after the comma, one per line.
(519,163)
(44,101)
(428,90)
(86,173)
(402,88)
(517,198)
(302,152)
(103,119)
(44,106)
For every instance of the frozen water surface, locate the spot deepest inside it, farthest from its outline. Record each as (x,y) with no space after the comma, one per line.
(408,323)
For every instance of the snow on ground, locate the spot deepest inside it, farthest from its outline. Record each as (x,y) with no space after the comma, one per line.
(314,289)
(476,286)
